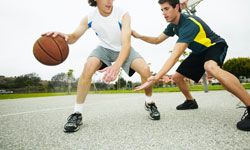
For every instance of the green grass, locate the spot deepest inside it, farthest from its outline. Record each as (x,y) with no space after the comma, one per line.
(15,96)
(167,89)
(192,88)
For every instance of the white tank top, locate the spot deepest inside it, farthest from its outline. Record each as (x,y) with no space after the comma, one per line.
(108,29)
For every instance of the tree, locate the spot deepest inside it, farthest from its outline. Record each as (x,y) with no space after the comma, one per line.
(120,83)
(100,85)
(59,82)
(129,85)
(31,79)
(238,66)
(7,82)
(24,83)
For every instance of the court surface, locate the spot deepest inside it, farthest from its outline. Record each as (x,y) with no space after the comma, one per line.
(119,121)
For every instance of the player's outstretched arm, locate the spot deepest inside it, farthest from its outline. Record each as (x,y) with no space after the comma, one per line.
(177,52)
(150,39)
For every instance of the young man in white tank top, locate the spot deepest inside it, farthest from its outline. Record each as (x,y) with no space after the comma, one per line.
(112,26)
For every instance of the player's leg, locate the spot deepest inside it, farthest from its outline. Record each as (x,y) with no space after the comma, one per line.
(228,81)
(191,68)
(213,60)
(94,62)
(140,66)
(135,63)
(231,84)
(84,83)
(179,79)
(190,102)
(75,119)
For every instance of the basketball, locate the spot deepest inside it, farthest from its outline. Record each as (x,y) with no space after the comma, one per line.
(50,50)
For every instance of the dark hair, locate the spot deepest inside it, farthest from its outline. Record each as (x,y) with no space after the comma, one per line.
(92,3)
(173,3)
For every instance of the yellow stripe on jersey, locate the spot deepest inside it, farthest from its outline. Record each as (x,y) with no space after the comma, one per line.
(201,36)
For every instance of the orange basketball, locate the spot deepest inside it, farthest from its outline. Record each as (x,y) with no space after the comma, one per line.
(51,51)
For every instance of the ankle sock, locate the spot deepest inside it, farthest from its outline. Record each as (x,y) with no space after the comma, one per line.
(78,108)
(149,100)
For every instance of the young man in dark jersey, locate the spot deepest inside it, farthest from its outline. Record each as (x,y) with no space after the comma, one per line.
(208,53)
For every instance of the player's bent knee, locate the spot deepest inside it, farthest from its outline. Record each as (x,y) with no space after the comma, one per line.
(145,72)
(88,70)
(210,67)
(177,77)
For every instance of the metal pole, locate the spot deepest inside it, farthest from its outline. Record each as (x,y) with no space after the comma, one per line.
(204,80)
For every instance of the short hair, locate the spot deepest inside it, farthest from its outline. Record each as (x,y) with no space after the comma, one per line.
(92,3)
(173,3)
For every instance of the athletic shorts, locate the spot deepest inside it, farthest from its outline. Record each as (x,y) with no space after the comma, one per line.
(107,56)
(193,66)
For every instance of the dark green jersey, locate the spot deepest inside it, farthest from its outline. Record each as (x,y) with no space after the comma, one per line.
(195,32)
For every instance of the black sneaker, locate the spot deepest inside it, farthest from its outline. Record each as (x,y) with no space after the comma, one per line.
(73,122)
(188,104)
(244,124)
(154,114)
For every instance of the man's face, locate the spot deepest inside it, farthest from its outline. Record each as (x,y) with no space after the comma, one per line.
(169,13)
(105,6)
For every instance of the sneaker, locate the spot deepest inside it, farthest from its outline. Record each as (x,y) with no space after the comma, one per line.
(73,122)
(244,124)
(188,104)
(154,114)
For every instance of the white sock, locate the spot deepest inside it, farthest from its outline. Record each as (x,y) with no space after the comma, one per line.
(148,99)
(78,108)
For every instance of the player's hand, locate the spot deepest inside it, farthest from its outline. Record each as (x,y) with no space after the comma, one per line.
(144,86)
(184,4)
(153,79)
(135,34)
(110,74)
(150,81)
(54,34)
(165,79)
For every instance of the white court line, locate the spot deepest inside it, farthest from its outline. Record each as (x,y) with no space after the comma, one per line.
(41,110)
(54,109)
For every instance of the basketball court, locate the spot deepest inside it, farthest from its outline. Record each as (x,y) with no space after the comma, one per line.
(119,121)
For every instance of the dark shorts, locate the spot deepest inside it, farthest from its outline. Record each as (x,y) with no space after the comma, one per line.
(193,66)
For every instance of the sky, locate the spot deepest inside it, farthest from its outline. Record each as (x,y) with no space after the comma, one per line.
(23,21)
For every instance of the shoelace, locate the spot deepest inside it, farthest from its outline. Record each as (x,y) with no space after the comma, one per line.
(245,113)
(72,118)
(153,108)
(186,102)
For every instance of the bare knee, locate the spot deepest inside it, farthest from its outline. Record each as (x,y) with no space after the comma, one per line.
(141,67)
(145,72)
(177,77)
(88,71)
(210,67)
